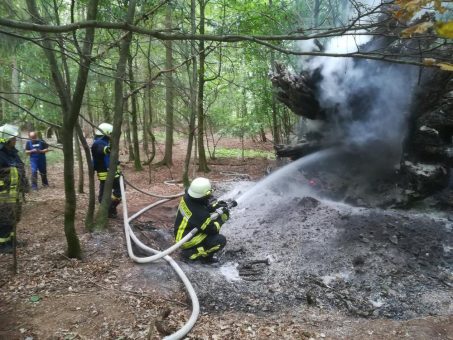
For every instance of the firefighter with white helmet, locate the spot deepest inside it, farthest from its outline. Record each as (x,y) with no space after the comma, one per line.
(12,183)
(195,211)
(100,151)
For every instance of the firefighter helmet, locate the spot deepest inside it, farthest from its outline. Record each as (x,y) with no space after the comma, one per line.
(200,187)
(8,132)
(104,129)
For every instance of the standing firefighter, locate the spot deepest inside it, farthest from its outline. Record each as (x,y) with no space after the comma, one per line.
(195,211)
(101,159)
(12,183)
(36,148)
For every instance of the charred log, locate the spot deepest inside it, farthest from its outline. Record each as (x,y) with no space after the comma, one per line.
(373,113)
(298,92)
(298,150)
(424,179)
(431,136)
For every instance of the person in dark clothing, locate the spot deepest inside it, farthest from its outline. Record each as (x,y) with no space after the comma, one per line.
(100,150)
(37,149)
(194,211)
(12,183)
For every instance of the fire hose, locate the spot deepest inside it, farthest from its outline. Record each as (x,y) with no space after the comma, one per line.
(129,234)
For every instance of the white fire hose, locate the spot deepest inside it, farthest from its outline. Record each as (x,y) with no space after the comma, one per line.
(158,255)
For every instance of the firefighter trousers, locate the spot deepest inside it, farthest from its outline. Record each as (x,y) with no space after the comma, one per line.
(207,248)
(9,216)
(116,195)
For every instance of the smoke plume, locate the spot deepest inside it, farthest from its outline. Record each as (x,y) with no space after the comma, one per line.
(366,101)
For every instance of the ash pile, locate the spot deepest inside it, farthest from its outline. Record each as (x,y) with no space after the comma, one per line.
(288,250)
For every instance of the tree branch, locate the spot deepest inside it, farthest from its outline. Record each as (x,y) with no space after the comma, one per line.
(33,96)
(30,113)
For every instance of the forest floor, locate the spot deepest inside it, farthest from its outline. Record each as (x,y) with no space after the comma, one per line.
(107,296)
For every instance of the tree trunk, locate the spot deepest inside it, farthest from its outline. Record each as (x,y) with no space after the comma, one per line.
(79,164)
(101,218)
(137,162)
(148,114)
(169,96)
(316,10)
(2,102)
(243,117)
(202,162)
(193,100)
(275,128)
(128,140)
(70,109)
(89,217)
(15,83)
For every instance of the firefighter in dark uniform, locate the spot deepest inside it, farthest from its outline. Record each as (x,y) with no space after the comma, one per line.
(195,211)
(12,183)
(100,151)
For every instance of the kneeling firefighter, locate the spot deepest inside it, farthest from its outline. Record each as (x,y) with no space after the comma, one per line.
(196,211)
(100,151)
(13,183)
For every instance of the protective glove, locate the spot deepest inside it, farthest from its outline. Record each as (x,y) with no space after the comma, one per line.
(221,204)
(226,215)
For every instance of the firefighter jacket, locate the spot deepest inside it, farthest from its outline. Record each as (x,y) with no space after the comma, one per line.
(196,213)
(100,150)
(12,175)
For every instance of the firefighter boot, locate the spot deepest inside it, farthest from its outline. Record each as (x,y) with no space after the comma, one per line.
(113,205)
(209,260)
(112,211)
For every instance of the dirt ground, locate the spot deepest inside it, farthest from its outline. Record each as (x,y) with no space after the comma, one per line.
(107,296)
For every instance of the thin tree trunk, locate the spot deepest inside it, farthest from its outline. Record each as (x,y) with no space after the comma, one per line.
(146,115)
(128,140)
(169,96)
(89,217)
(193,99)
(243,116)
(275,128)
(79,164)
(2,102)
(316,10)
(15,83)
(89,111)
(101,218)
(148,128)
(137,162)
(202,162)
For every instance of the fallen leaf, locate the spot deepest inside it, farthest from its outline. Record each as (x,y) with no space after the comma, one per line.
(445,29)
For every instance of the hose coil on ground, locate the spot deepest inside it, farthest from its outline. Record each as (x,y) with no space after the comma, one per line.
(158,255)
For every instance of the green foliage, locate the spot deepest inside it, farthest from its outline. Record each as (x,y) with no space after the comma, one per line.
(54,157)
(236,71)
(248,153)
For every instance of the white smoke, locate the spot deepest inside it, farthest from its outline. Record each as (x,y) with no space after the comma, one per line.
(366,101)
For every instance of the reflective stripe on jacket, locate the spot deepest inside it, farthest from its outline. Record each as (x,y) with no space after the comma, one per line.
(195,213)
(100,151)
(12,175)
(9,190)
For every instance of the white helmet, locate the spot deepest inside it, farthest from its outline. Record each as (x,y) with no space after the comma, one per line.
(200,187)
(8,132)
(104,129)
